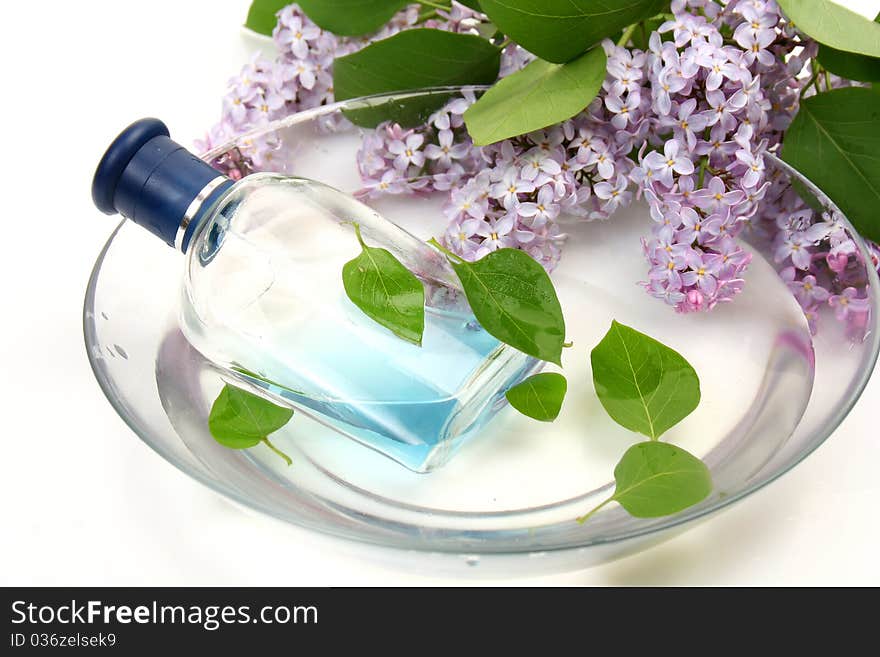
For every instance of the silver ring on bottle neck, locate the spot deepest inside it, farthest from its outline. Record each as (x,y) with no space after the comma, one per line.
(194,208)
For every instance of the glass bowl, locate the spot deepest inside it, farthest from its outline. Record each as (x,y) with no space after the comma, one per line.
(772,390)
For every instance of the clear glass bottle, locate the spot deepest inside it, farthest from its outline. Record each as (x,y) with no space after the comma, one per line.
(263,300)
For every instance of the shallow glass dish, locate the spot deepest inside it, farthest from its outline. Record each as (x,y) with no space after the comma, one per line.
(772,390)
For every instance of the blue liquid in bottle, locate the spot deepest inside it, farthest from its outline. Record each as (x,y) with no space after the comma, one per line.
(263,300)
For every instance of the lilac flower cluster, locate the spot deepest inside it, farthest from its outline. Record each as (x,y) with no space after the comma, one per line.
(817,257)
(300,78)
(702,169)
(687,122)
(433,157)
(512,193)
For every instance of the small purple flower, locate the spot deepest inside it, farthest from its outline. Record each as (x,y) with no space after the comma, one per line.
(722,109)
(603,160)
(467,202)
(671,295)
(754,167)
(537,161)
(795,247)
(459,237)
(669,162)
(497,234)
(508,188)
(808,292)
(688,123)
(715,196)
(729,259)
(703,276)
(445,151)
(719,67)
(848,302)
(755,44)
(613,195)
(407,151)
(624,111)
(545,208)
(295,34)
(696,228)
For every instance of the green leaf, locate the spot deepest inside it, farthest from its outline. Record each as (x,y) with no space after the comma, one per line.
(351,17)
(386,291)
(849,65)
(834,141)
(641,36)
(835,26)
(413,59)
(262,15)
(473,4)
(540,396)
(560,30)
(658,479)
(643,385)
(512,297)
(240,420)
(538,96)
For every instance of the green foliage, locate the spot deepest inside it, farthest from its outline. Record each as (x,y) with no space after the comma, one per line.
(560,30)
(513,298)
(834,140)
(657,479)
(643,385)
(536,97)
(849,65)
(833,25)
(261,16)
(433,59)
(351,17)
(540,396)
(240,420)
(386,291)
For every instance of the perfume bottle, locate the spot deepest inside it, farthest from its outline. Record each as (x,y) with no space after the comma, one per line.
(262,299)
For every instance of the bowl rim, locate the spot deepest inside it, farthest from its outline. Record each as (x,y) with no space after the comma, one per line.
(816,438)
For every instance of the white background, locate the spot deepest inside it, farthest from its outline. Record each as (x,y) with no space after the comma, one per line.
(84,501)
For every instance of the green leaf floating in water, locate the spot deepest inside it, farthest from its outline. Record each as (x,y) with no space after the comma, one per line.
(656,479)
(540,396)
(834,26)
(560,30)
(409,60)
(834,141)
(386,291)
(538,96)
(512,297)
(240,420)
(262,17)
(643,385)
(351,17)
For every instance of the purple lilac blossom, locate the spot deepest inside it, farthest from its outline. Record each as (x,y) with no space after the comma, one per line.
(687,123)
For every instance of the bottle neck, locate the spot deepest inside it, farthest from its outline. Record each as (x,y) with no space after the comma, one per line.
(198,210)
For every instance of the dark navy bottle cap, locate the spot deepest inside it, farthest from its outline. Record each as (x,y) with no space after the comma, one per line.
(157,183)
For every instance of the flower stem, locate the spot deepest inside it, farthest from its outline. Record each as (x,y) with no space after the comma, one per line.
(357,231)
(269,444)
(627,35)
(809,83)
(704,162)
(590,514)
(449,254)
(435,5)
